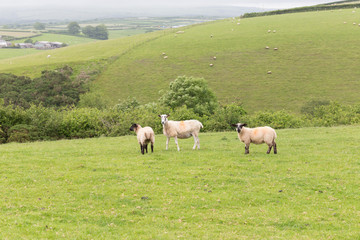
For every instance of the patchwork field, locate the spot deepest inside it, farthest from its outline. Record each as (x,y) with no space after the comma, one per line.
(105,189)
(18,34)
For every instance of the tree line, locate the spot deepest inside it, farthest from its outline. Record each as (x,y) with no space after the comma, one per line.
(31,114)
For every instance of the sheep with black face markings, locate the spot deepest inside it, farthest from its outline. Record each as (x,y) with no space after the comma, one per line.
(145,136)
(257,135)
(181,129)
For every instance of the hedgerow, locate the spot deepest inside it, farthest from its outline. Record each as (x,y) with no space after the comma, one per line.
(40,123)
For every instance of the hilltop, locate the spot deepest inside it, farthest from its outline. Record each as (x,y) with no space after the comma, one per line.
(316,58)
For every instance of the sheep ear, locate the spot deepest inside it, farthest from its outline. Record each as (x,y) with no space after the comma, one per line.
(234,125)
(159,115)
(244,125)
(168,115)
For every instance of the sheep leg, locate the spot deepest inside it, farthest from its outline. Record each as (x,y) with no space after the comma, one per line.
(167,143)
(142,148)
(269,150)
(275,149)
(195,142)
(247,149)
(146,148)
(176,141)
(152,147)
(198,141)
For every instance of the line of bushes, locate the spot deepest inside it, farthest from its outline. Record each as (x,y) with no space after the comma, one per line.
(40,123)
(320,7)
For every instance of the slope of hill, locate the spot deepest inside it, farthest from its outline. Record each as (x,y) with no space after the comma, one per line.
(316,59)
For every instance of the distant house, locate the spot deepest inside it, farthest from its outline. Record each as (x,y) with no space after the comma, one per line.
(56,44)
(4,43)
(47,45)
(42,45)
(25,45)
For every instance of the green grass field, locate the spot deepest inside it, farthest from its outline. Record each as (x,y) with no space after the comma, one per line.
(105,189)
(316,60)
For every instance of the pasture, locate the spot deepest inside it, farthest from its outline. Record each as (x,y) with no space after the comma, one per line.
(105,189)
(19,34)
(315,60)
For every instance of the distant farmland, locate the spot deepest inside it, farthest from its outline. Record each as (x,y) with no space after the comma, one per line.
(19,34)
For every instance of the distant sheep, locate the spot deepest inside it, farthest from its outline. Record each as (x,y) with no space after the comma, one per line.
(145,136)
(211,65)
(181,129)
(257,135)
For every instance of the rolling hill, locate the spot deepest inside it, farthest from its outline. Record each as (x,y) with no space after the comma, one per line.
(316,58)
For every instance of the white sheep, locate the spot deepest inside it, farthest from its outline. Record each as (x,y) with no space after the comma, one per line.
(181,129)
(145,136)
(257,135)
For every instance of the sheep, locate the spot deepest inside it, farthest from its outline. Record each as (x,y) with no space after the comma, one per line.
(257,135)
(181,129)
(211,65)
(144,136)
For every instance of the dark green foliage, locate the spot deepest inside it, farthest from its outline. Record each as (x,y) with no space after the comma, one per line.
(51,89)
(98,32)
(192,92)
(29,40)
(73,28)
(39,26)
(320,7)
(22,133)
(41,123)
(310,107)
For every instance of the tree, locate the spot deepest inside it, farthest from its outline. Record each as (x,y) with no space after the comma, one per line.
(39,26)
(29,40)
(101,32)
(89,31)
(98,32)
(192,92)
(73,28)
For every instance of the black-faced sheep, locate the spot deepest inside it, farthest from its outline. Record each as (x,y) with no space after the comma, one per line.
(257,135)
(181,129)
(145,136)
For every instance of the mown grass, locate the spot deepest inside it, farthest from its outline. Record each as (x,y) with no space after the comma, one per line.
(105,189)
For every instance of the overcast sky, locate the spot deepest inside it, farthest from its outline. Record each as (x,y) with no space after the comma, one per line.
(163,3)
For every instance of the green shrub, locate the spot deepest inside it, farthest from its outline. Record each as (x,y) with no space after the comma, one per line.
(193,93)
(22,133)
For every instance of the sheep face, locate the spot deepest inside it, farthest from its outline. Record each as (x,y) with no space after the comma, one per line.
(133,127)
(164,118)
(239,126)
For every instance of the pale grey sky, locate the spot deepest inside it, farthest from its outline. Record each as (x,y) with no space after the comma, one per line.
(163,3)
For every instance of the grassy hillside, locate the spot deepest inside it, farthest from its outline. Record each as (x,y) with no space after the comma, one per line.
(316,59)
(105,189)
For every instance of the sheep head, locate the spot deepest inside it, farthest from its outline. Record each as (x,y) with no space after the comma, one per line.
(239,126)
(164,118)
(134,127)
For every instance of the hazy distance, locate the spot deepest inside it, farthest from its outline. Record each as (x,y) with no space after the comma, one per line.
(23,10)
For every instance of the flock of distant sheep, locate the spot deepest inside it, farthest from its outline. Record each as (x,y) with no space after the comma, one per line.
(186,129)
